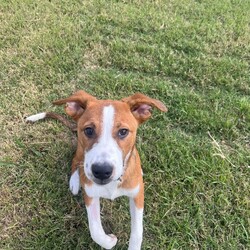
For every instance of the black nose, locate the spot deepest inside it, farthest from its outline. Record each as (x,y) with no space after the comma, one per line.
(102,171)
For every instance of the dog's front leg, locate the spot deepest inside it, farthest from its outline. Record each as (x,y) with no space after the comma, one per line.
(74,183)
(136,213)
(95,226)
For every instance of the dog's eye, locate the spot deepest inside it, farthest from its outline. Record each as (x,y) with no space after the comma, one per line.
(122,133)
(89,132)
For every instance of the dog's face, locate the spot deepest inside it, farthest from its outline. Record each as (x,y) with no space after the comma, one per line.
(107,131)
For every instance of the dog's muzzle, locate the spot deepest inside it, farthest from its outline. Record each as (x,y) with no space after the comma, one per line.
(102,173)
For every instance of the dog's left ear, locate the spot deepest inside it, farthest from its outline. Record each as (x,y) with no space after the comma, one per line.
(141,106)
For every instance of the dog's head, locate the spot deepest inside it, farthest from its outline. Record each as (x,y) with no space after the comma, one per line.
(107,131)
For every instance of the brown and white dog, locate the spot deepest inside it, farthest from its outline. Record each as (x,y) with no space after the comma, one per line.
(106,163)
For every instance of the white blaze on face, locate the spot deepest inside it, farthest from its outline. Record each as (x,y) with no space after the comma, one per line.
(106,150)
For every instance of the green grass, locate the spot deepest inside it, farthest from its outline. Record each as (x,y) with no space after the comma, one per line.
(192,55)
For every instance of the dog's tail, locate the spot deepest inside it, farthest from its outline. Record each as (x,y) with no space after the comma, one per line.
(44,115)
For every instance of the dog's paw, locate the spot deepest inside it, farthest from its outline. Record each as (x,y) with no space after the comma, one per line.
(74,183)
(107,241)
(135,241)
(112,240)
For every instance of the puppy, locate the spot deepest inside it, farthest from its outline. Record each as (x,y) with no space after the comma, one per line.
(106,163)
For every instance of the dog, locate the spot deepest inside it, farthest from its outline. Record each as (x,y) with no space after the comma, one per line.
(106,163)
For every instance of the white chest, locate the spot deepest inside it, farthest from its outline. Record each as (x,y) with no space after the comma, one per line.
(110,191)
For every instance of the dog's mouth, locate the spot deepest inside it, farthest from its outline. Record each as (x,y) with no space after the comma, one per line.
(102,182)
(107,181)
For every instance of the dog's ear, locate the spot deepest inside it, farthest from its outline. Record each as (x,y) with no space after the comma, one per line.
(141,106)
(76,103)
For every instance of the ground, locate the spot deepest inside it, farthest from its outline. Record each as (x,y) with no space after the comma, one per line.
(192,55)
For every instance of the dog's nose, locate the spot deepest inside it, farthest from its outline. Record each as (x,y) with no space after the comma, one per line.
(102,171)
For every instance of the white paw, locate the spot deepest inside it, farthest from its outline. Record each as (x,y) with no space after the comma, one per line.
(135,242)
(112,241)
(107,241)
(74,183)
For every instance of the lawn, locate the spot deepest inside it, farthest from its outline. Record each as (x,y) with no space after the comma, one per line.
(193,55)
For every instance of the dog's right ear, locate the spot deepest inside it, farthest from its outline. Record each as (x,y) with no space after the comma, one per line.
(76,103)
